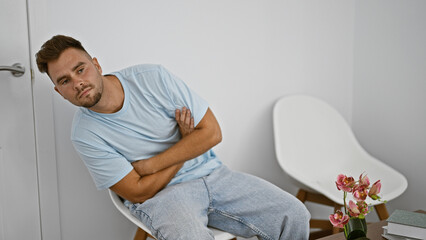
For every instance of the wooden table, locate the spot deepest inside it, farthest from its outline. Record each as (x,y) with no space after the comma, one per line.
(374,231)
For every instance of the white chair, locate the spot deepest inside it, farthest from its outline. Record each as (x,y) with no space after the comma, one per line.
(143,232)
(314,144)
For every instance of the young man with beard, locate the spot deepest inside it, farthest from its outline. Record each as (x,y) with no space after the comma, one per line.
(135,140)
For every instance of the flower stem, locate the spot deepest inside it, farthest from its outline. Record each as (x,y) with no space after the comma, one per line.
(344,202)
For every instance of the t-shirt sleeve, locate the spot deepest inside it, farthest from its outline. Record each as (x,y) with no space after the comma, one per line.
(182,96)
(106,166)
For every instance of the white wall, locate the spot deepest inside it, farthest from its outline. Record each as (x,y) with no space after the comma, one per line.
(389,113)
(239,55)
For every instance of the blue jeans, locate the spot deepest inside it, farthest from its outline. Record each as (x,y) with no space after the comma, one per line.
(234,202)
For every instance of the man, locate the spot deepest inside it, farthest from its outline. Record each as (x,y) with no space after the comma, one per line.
(135,140)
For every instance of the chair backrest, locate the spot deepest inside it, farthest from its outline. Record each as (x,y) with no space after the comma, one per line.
(119,204)
(314,144)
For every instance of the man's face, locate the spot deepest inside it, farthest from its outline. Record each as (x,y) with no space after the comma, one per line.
(77,77)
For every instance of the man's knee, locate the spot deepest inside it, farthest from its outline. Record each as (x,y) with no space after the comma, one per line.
(296,222)
(300,214)
(303,215)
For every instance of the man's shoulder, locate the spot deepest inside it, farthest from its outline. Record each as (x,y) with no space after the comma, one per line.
(81,123)
(140,68)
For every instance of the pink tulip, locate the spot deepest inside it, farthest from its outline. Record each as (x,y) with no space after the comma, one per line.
(360,192)
(374,190)
(338,220)
(345,183)
(363,180)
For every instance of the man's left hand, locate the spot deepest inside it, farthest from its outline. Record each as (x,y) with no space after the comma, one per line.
(185,121)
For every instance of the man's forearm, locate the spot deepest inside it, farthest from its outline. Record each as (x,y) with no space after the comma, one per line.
(152,184)
(203,138)
(138,189)
(188,148)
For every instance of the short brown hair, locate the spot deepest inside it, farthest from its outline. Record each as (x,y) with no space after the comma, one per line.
(52,49)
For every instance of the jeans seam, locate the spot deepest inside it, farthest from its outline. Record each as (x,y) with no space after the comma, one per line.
(150,224)
(208,193)
(240,220)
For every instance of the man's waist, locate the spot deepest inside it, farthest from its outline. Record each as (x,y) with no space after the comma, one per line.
(194,169)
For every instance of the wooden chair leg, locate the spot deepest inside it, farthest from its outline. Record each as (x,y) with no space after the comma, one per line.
(140,235)
(335,230)
(382,211)
(324,225)
(302,195)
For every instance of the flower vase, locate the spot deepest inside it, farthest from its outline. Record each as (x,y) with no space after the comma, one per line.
(356,229)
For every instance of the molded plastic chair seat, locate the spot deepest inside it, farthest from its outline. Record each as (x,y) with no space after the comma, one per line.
(314,144)
(219,235)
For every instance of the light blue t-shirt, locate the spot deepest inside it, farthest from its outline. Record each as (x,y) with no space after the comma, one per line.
(144,127)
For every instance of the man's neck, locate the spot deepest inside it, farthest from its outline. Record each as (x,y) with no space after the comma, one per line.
(112,96)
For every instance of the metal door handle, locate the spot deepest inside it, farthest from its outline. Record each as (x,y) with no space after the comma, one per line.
(17,69)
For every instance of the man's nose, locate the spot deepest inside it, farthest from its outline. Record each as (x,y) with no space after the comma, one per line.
(78,83)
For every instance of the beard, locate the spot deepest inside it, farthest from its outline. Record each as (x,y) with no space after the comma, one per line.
(93,101)
(90,101)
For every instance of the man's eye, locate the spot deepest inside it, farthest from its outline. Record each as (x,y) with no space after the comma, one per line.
(80,70)
(65,81)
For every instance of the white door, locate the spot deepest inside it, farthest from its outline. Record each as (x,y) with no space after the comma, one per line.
(19,202)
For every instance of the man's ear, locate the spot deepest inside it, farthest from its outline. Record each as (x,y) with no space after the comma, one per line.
(57,90)
(97,65)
